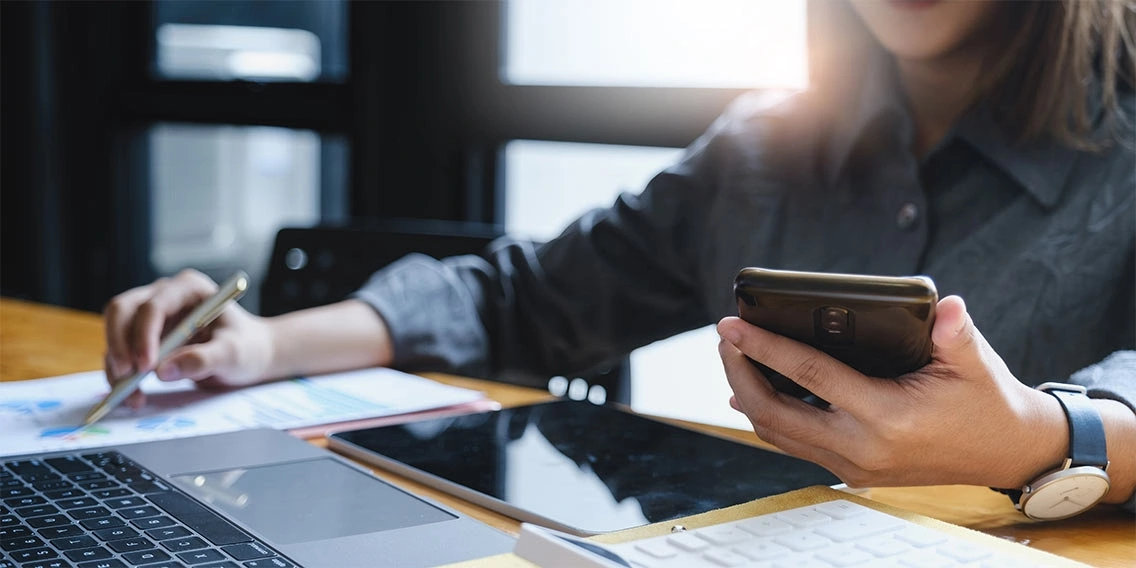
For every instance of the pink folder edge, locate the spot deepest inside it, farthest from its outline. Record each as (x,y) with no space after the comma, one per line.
(323,430)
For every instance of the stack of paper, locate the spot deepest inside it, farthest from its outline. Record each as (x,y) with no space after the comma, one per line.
(46,414)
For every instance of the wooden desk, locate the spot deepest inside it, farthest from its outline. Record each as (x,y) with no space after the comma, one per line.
(41,341)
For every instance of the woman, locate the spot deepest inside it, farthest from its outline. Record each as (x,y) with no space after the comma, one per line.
(980,143)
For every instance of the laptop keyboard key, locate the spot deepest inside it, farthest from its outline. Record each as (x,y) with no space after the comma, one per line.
(167,533)
(166,564)
(55,563)
(153,523)
(131,544)
(138,512)
(116,533)
(247,551)
(109,563)
(145,557)
(31,555)
(205,522)
(85,554)
(269,563)
(62,531)
(20,543)
(184,544)
(201,556)
(103,523)
(74,542)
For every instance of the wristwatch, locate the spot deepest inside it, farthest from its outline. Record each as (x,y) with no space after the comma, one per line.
(1082,480)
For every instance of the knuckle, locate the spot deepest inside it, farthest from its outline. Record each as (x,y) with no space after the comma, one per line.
(807,372)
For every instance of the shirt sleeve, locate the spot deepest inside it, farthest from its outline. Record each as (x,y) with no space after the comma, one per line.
(615,279)
(1113,378)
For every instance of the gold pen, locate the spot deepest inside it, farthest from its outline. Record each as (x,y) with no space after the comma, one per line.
(200,317)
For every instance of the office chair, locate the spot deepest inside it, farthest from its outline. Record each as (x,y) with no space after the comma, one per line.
(320,265)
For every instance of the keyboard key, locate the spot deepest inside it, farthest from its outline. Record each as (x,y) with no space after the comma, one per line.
(184,544)
(682,540)
(201,556)
(48,521)
(656,548)
(764,526)
(20,543)
(77,503)
(103,523)
(248,551)
(269,563)
(153,522)
(802,541)
(121,502)
(205,522)
(845,556)
(840,509)
(85,554)
(803,517)
(138,512)
(36,511)
(723,534)
(165,564)
(33,554)
(61,531)
(64,494)
(89,513)
(920,536)
(15,531)
(725,558)
(131,544)
(73,542)
(56,563)
(167,533)
(225,564)
(883,546)
(762,550)
(146,556)
(110,493)
(68,464)
(116,533)
(109,563)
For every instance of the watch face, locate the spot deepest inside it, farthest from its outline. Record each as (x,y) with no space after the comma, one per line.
(1065,493)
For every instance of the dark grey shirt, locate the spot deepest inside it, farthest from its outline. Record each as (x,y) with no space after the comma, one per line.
(1039,239)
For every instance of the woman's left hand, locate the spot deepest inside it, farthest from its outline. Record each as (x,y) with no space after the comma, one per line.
(961,419)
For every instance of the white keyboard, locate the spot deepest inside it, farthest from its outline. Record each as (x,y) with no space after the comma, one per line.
(831,534)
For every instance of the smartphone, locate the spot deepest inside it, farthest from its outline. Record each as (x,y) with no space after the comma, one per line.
(878,325)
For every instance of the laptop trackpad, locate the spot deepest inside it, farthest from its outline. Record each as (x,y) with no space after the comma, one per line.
(309,500)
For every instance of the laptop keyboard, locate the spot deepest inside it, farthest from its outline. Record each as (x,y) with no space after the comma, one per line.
(102,510)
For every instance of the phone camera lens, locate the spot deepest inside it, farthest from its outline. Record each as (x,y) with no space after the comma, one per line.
(834,325)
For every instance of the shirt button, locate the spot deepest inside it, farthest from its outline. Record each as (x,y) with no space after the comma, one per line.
(907,217)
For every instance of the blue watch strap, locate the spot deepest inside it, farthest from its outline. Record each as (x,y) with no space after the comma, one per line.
(1087,445)
(1086,429)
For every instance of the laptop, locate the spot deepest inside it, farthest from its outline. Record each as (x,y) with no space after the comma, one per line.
(248,499)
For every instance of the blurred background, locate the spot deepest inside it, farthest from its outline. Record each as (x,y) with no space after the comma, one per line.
(142,137)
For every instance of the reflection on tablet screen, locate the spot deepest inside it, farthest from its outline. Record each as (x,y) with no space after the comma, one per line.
(588,468)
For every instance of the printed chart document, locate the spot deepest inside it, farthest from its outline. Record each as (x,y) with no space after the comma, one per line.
(46,414)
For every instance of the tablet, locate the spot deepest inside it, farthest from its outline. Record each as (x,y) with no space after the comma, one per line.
(579,467)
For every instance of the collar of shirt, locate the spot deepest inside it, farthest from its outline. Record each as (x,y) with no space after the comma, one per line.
(1040,167)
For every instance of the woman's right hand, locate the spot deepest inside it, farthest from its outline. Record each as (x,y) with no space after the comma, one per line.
(235,350)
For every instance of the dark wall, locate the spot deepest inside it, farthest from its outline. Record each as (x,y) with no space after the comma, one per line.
(420,109)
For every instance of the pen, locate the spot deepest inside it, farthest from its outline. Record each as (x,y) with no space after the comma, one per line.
(200,317)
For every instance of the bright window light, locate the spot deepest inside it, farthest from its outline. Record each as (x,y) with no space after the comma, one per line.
(656,43)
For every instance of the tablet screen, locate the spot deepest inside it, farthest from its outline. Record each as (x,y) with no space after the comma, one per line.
(581,467)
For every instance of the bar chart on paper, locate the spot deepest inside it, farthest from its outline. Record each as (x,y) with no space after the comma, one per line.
(47,414)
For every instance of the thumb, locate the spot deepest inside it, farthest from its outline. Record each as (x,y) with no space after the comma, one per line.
(957,341)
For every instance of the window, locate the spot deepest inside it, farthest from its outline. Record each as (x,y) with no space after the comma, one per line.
(641,44)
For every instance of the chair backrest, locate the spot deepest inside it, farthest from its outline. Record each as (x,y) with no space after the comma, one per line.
(315,266)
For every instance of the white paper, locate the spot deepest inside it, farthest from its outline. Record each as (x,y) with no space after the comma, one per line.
(45,414)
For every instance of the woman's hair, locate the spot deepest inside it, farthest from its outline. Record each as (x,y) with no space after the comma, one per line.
(1059,63)
(1055,63)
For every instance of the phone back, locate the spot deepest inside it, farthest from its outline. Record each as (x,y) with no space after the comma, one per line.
(879,325)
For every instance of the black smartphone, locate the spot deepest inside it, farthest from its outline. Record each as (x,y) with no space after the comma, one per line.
(878,325)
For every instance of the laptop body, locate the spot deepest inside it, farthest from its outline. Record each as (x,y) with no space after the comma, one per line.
(243,499)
